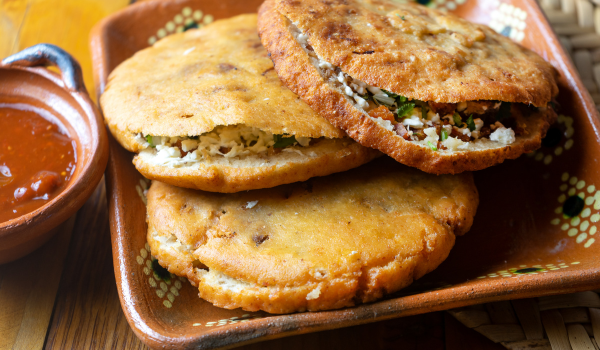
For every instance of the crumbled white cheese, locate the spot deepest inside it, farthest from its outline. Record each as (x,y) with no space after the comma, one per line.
(166,155)
(354,89)
(227,141)
(314,294)
(453,143)
(465,131)
(448,128)
(139,138)
(503,135)
(413,121)
(384,123)
(432,135)
(251,204)
(434,117)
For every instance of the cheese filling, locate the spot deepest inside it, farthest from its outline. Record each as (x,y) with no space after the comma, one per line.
(466,125)
(232,141)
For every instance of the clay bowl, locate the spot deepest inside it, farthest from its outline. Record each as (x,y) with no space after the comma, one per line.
(535,232)
(64,96)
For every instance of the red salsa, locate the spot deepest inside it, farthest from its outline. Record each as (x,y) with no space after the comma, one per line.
(37,159)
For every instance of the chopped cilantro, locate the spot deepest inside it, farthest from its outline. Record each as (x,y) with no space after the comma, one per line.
(404,19)
(401,99)
(504,111)
(470,123)
(282,141)
(404,109)
(149,140)
(457,120)
(444,135)
(433,148)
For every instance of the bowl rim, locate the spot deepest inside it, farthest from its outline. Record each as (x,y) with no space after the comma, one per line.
(92,168)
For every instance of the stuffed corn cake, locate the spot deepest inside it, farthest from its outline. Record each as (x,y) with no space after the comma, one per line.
(205,109)
(426,87)
(326,243)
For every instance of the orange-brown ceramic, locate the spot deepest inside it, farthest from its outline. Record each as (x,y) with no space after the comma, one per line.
(64,96)
(522,244)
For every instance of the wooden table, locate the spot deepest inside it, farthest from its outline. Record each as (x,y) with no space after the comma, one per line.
(64,295)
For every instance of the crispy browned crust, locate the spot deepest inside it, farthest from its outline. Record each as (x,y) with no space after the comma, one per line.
(296,70)
(420,52)
(189,83)
(331,156)
(356,236)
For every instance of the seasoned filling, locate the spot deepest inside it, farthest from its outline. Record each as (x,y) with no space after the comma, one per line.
(224,141)
(440,126)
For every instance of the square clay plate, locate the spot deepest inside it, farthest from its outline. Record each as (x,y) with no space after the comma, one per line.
(521,245)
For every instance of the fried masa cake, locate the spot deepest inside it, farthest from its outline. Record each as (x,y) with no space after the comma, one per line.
(326,243)
(426,87)
(205,109)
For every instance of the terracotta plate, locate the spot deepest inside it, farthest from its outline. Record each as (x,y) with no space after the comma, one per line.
(536,232)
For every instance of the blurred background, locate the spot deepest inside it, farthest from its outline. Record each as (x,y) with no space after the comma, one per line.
(65,23)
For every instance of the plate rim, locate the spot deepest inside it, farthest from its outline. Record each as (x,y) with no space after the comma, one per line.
(277,326)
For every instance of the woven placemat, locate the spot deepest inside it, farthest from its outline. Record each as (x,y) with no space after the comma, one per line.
(577,24)
(560,322)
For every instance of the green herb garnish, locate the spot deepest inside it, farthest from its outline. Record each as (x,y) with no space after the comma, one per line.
(504,111)
(433,148)
(457,120)
(282,141)
(404,109)
(444,135)
(470,123)
(424,112)
(149,140)
(404,19)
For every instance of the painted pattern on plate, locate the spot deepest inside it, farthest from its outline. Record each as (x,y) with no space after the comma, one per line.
(578,208)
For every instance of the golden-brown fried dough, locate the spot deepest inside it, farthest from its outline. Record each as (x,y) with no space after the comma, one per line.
(413,51)
(217,83)
(327,243)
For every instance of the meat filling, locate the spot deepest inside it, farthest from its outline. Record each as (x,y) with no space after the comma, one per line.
(440,125)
